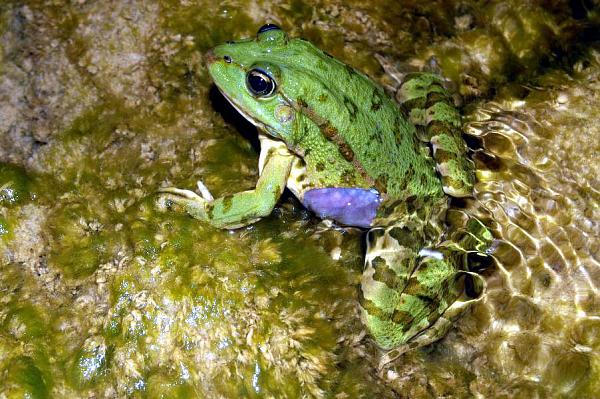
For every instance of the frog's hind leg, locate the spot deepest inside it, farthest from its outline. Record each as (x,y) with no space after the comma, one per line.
(452,263)
(444,315)
(403,293)
(431,108)
(389,263)
(411,296)
(444,287)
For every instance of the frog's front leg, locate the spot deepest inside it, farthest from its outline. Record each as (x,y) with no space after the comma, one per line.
(245,207)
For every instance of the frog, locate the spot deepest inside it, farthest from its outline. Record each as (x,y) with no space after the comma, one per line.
(353,155)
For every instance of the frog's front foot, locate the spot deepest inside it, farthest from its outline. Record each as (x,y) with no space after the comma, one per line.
(193,203)
(189,194)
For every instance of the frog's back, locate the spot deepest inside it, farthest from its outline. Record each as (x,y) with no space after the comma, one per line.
(364,125)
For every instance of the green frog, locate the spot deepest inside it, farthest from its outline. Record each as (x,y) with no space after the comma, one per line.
(353,155)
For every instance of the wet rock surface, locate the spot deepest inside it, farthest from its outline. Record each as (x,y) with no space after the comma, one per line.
(103,294)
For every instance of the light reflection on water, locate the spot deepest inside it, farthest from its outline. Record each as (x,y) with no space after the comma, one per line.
(537,332)
(546,286)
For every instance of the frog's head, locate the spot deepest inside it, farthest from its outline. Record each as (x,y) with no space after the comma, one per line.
(263,77)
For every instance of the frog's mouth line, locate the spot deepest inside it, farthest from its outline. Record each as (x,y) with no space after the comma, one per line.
(241,112)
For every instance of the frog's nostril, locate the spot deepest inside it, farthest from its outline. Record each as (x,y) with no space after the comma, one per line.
(227,59)
(210,57)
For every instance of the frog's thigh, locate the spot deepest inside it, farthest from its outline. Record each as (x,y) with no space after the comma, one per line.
(388,266)
(430,106)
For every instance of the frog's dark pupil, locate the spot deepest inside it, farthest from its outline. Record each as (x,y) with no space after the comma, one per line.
(227,59)
(259,83)
(268,27)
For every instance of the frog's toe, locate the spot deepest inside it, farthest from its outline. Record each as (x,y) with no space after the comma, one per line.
(204,192)
(178,195)
(193,204)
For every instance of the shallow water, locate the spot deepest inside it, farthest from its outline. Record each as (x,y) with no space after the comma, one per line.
(104,294)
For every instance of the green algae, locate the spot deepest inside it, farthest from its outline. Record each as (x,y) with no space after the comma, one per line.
(24,379)
(82,239)
(165,386)
(191,20)
(24,322)
(4,228)
(24,338)
(15,186)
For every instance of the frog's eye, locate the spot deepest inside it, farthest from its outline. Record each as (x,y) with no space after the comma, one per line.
(268,27)
(260,83)
(271,33)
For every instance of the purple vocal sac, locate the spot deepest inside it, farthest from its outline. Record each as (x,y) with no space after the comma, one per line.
(348,206)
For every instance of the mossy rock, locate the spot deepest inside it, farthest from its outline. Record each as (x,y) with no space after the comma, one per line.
(15,186)
(24,379)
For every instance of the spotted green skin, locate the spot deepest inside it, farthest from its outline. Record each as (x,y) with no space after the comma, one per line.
(327,125)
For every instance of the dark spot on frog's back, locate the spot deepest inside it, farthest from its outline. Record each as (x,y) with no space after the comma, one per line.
(210,210)
(227,202)
(405,237)
(435,97)
(410,172)
(403,318)
(384,274)
(376,100)
(351,107)
(329,131)
(436,127)
(371,308)
(301,102)
(424,179)
(322,97)
(429,302)
(416,102)
(346,152)
(320,166)
(381,183)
